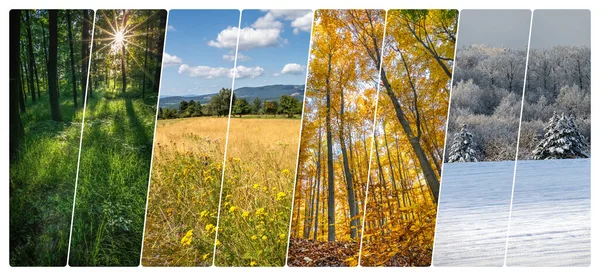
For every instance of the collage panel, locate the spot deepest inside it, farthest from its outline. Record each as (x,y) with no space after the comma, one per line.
(410,127)
(49,55)
(336,138)
(262,142)
(550,219)
(481,141)
(116,147)
(190,137)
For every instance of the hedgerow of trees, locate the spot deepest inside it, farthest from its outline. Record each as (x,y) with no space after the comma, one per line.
(219,106)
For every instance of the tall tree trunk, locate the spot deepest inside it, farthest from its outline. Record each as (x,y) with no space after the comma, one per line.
(159,48)
(73,76)
(347,173)
(52,57)
(22,95)
(31,57)
(45,47)
(318,184)
(85,52)
(331,185)
(391,164)
(16,126)
(144,71)
(123,58)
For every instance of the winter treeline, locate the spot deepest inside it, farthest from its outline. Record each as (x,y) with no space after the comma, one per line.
(558,80)
(486,100)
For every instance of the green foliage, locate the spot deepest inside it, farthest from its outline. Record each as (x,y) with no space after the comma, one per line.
(289,105)
(241,107)
(270,107)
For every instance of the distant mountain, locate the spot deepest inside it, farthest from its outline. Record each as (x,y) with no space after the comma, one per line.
(268,92)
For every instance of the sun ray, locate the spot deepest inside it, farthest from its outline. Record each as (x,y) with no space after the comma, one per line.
(150,77)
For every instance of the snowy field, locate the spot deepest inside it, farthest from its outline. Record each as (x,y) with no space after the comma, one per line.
(550,224)
(473,214)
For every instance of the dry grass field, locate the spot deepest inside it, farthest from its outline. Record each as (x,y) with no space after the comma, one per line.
(184,192)
(257,192)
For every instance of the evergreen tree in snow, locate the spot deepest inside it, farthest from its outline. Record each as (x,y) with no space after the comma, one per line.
(562,140)
(463,147)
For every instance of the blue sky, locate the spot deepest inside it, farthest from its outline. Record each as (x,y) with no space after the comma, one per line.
(201,45)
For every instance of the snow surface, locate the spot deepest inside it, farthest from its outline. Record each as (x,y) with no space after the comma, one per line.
(550,223)
(473,213)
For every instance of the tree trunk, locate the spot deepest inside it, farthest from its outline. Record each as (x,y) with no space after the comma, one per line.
(159,48)
(52,57)
(16,126)
(330,184)
(318,184)
(348,175)
(21,84)
(85,52)
(393,178)
(145,60)
(31,58)
(73,77)
(428,171)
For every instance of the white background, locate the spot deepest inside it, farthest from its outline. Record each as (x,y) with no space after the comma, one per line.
(5,269)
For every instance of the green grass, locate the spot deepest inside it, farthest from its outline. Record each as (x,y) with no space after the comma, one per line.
(42,181)
(113,180)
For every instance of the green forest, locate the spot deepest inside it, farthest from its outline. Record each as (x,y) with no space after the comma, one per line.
(49,55)
(219,106)
(117,138)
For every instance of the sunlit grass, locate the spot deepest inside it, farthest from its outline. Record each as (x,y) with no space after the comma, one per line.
(257,192)
(184,192)
(42,182)
(113,179)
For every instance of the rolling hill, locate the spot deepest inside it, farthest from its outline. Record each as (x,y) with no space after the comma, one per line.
(269,92)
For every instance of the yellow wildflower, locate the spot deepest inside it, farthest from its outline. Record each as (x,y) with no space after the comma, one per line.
(281,196)
(205,256)
(245,214)
(187,239)
(210,228)
(260,211)
(228,196)
(252,263)
(232,209)
(264,238)
(204,214)
(208,178)
(256,186)
(254,237)
(236,159)
(285,171)
(282,236)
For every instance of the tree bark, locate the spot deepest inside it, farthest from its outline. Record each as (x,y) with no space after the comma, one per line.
(52,58)
(159,48)
(16,126)
(348,175)
(85,52)
(318,184)
(73,76)
(331,185)
(31,57)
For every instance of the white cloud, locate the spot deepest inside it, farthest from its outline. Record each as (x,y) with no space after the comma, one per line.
(267,22)
(303,23)
(248,72)
(208,72)
(171,28)
(289,15)
(169,60)
(250,38)
(204,71)
(231,57)
(293,69)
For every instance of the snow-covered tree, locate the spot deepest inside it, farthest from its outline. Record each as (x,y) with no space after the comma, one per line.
(463,147)
(562,140)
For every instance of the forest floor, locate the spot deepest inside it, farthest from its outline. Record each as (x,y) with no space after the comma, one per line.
(257,192)
(550,222)
(113,180)
(42,182)
(304,252)
(184,192)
